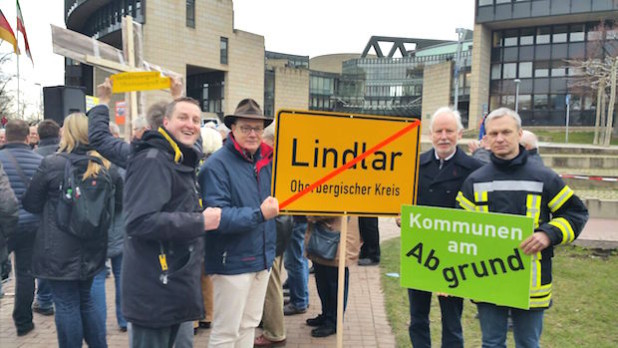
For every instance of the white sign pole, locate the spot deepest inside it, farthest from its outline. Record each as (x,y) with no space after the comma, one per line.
(568,106)
(341,280)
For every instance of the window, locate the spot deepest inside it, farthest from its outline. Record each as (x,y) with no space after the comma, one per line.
(510,71)
(510,38)
(541,69)
(527,37)
(191,13)
(497,40)
(495,72)
(560,34)
(558,69)
(577,33)
(542,35)
(485,2)
(525,69)
(223,48)
(540,102)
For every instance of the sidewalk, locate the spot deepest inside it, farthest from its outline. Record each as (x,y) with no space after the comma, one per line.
(365,323)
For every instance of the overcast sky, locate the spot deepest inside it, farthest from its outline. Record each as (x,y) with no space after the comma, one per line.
(310,28)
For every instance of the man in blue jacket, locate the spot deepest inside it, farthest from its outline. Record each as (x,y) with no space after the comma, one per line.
(241,251)
(20,163)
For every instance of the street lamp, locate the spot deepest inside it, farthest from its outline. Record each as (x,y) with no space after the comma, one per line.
(517,82)
(460,36)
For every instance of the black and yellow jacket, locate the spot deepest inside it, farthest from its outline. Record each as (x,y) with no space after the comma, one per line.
(523,187)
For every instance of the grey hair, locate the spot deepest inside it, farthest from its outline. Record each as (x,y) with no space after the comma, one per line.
(500,112)
(211,140)
(529,140)
(269,132)
(114,129)
(140,123)
(447,110)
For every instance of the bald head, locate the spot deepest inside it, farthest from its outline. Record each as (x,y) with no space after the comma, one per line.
(529,140)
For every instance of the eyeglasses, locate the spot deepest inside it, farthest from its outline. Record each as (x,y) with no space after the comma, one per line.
(246,130)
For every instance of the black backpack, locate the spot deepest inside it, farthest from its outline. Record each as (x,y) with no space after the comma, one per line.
(85,207)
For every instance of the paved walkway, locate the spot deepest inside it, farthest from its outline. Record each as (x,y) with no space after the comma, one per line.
(366,324)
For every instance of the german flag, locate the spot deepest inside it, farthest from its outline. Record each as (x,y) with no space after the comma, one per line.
(6,33)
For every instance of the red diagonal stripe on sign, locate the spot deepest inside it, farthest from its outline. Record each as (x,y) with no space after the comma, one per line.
(339,170)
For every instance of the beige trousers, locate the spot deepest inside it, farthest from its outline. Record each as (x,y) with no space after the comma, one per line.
(239,302)
(274,328)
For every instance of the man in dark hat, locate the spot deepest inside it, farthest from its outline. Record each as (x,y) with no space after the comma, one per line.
(240,253)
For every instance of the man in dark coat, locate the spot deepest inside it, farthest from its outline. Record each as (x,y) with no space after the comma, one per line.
(163,249)
(442,170)
(49,137)
(8,218)
(20,163)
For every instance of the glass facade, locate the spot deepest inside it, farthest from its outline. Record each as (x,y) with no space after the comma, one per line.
(393,86)
(322,87)
(208,88)
(538,57)
(108,18)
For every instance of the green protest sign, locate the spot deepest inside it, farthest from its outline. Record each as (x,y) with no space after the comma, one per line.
(466,254)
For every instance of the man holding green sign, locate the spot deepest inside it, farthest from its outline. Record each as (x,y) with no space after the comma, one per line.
(442,171)
(513,185)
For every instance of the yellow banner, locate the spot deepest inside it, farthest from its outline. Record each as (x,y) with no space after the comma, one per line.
(329,163)
(139,81)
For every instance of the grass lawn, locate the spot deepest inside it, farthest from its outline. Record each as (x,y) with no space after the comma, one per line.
(584,313)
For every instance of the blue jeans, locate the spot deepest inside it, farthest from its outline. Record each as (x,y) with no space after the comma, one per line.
(527,326)
(98,292)
(76,317)
(297,267)
(43,294)
(450,307)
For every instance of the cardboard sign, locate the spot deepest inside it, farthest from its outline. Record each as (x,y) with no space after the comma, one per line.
(466,254)
(91,102)
(139,81)
(333,164)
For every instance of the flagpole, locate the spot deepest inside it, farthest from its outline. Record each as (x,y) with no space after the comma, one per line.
(17,55)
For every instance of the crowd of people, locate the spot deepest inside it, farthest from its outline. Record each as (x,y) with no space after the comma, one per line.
(196,241)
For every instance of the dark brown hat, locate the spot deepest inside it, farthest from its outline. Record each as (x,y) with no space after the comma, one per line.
(247,108)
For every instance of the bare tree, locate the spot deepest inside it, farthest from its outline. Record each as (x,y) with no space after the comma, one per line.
(598,75)
(6,97)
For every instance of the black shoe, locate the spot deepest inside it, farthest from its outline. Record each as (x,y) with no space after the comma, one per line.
(43,311)
(323,331)
(315,322)
(368,262)
(123,329)
(26,330)
(286,292)
(290,309)
(285,285)
(205,324)
(311,270)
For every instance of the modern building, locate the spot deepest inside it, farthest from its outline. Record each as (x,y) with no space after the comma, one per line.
(521,55)
(413,79)
(195,38)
